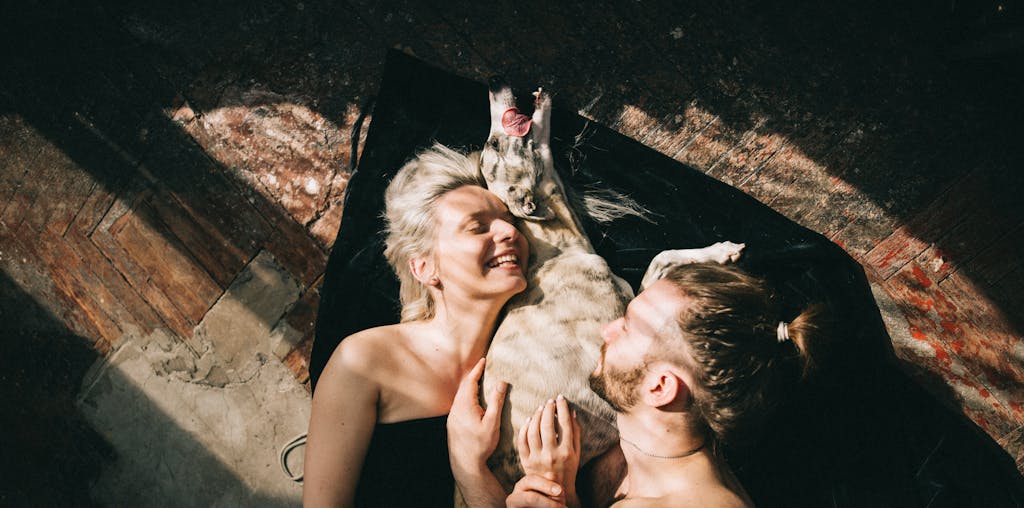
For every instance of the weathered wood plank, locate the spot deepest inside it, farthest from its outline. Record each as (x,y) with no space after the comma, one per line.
(167,263)
(73,184)
(708,145)
(78,290)
(1001,257)
(229,207)
(739,164)
(219,256)
(100,199)
(862,234)
(1011,298)
(127,307)
(894,252)
(23,196)
(806,199)
(104,238)
(19,247)
(302,318)
(945,370)
(297,361)
(963,242)
(939,320)
(201,186)
(677,129)
(805,151)
(977,303)
(135,275)
(956,204)
(16,155)
(895,172)
(297,252)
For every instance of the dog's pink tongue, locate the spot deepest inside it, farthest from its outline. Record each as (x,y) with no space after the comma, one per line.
(515,123)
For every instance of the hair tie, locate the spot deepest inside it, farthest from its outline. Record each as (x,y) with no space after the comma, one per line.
(782,332)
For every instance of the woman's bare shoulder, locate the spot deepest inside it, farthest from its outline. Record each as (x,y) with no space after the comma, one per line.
(369,351)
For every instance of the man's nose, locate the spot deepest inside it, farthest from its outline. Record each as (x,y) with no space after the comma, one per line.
(610,331)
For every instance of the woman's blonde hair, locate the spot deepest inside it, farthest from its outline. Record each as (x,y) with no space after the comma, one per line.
(410,212)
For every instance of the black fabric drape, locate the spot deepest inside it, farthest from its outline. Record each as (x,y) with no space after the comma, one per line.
(859,434)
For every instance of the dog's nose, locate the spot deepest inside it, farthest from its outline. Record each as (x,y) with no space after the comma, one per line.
(496,84)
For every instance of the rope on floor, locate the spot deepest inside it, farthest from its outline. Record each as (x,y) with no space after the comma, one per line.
(286,450)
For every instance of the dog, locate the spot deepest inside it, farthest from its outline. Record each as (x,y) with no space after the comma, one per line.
(549,340)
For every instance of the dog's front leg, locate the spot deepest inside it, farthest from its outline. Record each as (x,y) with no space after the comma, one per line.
(721,252)
(541,130)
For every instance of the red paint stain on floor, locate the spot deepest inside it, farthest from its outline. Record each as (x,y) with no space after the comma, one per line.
(944,307)
(889,256)
(940,352)
(951,327)
(922,278)
(925,304)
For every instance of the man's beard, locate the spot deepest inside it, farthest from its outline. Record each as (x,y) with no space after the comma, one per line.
(619,388)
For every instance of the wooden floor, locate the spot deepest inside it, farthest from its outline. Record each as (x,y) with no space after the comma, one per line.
(148,154)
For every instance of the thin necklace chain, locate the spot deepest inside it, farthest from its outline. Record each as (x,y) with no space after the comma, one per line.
(684,454)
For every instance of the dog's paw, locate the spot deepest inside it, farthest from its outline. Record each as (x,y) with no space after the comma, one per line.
(659,266)
(541,99)
(721,253)
(725,252)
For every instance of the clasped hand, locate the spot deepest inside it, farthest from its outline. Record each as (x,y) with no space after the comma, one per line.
(549,450)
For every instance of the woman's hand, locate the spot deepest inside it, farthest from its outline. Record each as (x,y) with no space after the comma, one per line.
(549,445)
(533,491)
(472,431)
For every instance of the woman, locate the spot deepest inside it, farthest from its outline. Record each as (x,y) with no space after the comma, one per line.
(377,432)
(696,363)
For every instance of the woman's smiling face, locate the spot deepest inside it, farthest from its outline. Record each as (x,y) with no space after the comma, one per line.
(478,248)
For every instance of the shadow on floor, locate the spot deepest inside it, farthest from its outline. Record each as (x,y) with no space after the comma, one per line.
(53,452)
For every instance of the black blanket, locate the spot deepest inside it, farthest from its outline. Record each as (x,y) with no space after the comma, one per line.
(860,434)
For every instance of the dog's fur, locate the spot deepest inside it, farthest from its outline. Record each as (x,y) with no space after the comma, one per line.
(549,340)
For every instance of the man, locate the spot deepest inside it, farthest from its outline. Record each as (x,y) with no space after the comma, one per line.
(687,367)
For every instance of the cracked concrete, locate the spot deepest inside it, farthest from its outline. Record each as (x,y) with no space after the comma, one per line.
(202,428)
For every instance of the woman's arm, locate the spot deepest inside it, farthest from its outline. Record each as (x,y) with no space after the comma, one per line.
(472,438)
(341,424)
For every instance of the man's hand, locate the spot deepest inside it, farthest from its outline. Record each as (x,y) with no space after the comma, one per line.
(549,446)
(472,431)
(534,491)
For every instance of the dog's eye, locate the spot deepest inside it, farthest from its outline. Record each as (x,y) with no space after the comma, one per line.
(494,143)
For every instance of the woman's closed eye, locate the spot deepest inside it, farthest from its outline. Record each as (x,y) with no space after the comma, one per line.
(475,227)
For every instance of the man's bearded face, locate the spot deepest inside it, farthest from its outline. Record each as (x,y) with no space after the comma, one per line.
(620,388)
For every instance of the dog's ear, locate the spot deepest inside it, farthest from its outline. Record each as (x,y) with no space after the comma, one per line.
(474,158)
